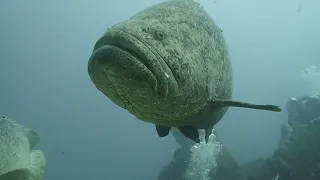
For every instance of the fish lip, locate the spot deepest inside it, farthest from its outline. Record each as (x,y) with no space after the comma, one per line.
(111,40)
(150,58)
(124,44)
(132,45)
(144,52)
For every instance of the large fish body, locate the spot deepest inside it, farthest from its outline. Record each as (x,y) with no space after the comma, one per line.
(167,65)
(18,160)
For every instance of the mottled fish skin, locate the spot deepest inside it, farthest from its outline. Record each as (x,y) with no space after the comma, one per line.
(164,64)
(14,146)
(18,160)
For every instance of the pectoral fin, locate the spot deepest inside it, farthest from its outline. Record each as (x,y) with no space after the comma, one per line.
(231,103)
(162,130)
(33,137)
(208,132)
(190,132)
(37,165)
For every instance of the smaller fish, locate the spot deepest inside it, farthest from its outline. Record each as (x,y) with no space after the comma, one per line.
(299,7)
(276,177)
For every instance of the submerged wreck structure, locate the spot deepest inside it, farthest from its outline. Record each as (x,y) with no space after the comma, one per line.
(296,158)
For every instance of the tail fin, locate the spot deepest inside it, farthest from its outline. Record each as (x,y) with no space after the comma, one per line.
(230,103)
(37,165)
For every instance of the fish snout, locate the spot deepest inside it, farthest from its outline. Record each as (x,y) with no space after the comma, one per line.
(120,75)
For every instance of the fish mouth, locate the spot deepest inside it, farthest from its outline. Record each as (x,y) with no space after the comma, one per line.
(129,72)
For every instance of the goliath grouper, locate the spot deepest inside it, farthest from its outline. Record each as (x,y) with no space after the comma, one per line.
(18,158)
(168,65)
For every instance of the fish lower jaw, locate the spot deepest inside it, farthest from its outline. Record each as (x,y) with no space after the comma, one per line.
(147,59)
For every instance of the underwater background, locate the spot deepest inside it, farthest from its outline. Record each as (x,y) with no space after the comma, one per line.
(44,50)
